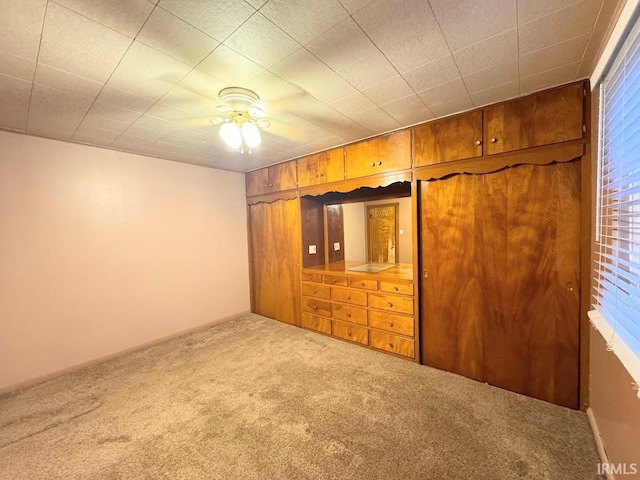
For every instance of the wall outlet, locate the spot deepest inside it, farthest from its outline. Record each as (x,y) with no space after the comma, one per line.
(336,246)
(312,249)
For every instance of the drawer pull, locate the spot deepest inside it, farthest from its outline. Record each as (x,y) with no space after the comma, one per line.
(349,297)
(390,305)
(348,333)
(310,277)
(335,280)
(478,142)
(493,139)
(396,288)
(315,307)
(373,164)
(315,290)
(379,163)
(315,324)
(391,324)
(390,344)
(362,284)
(349,314)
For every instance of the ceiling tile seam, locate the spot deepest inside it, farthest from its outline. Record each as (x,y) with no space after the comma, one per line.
(93,20)
(392,65)
(584,53)
(133,40)
(33,80)
(556,44)
(192,25)
(518,45)
(449,47)
(554,12)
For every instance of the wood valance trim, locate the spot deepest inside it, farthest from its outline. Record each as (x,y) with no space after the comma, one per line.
(273,197)
(488,164)
(345,186)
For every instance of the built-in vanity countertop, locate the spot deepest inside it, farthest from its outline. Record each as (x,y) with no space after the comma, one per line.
(371,308)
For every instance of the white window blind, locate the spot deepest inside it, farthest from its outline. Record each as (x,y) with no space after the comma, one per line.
(617,275)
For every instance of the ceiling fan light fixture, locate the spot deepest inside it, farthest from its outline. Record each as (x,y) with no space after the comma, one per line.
(251,134)
(230,133)
(244,118)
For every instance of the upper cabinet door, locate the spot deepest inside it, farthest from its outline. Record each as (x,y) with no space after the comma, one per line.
(308,170)
(283,176)
(449,139)
(331,165)
(552,116)
(257,182)
(379,155)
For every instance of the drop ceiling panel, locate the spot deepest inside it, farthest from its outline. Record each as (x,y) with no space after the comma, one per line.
(368,71)
(408,110)
(53,109)
(495,94)
(218,18)
(77,45)
(466,22)
(353,104)
(492,76)
(498,49)
(453,90)
(376,120)
(451,107)
(405,30)
(120,105)
(529,10)
(549,78)
(147,72)
(262,41)
(124,16)
(333,121)
(554,56)
(17,67)
(20,27)
(14,103)
(93,121)
(92,134)
(67,83)
(229,66)
(388,91)
(434,73)
(304,19)
(173,36)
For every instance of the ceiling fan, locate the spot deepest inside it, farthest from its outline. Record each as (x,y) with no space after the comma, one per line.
(241,118)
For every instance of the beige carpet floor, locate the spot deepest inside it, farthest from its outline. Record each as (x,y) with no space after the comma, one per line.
(252,398)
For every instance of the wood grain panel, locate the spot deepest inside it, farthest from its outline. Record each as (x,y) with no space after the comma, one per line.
(392,322)
(335,232)
(331,165)
(547,117)
(314,322)
(283,176)
(353,333)
(349,313)
(312,231)
(364,283)
(338,280)
(393,287)
(392,343)
(308,171)
(315,306)
(378,155)
(348,295)
(451,295)
(392,303)
(316,290)
(453,138)
(257,182)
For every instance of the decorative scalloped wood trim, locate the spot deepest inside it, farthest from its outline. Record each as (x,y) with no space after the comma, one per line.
(273,197)
(346,186)
(534,156)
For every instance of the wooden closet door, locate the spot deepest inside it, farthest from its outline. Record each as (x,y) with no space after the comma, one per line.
(275,259)
(451,300)
(531,268)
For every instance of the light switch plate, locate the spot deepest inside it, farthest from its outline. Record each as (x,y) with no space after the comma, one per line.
(312,249)
(336,246)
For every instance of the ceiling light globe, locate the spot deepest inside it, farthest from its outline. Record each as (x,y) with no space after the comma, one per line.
(251,134)
(230,133)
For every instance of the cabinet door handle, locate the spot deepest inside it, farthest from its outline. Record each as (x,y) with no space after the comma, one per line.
(478,142)
(315,290)
(271,184)
(396,288)
(380,163)
(390,345)
(348,297)
(493,139)
(315,324)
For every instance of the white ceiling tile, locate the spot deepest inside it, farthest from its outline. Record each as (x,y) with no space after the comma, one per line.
(465,22)
(368,71)
(14,103)
(204,85)
(376,120)
(353,104)
(388,91)
(20,27)
(405,30)
(130,142)
(498,49)
(77,45)
(451,107)
(572,21)
(230,66)
(89,131)
(63,109)
(496,94)
(550,78)
(96,141)
(492,76)
(93,121)
(139,132)
(262,41)
(256,3)
(173,36)
(353,6)
(124,16)
(434,73)
(555,56)
(332,121)
(120,105)
(153,123)
(44,125)
(529,10)
(445,92)
(408,110)
(67,83)
(278,95)
(147,72)
(304,19)
(16,67)
(164,112)
(186,100)
(217,19)
(300,68)
(330,87)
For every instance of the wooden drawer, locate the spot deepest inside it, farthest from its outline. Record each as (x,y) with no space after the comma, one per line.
(315,290)
(314,322)
(391,322)
(313,305)
(348,295)
(392,303)
(364,283)
(312,277)
(336,280)
(392,287)
(349,313)
(351,332)
(391,343)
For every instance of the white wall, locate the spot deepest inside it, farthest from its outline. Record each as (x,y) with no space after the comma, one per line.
(101,251)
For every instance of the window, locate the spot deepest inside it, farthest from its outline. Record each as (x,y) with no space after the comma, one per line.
(616,299)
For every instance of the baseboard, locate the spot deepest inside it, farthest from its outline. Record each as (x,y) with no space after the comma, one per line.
(601,451)
(16,388)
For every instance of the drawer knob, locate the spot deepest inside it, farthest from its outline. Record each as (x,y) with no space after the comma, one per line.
(478,142)
(315,307)
(379,163)
(390,305)
(348,333)
(315,324)
(362,284)
(349,297)
(349,314)
(390,344)
(391,324)
(396,288)
(315,290)
(493,139)
(310,277)
(335,280)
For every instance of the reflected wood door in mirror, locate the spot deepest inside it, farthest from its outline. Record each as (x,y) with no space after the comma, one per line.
(382,233)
